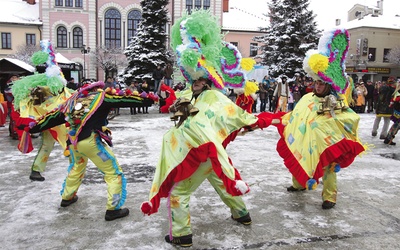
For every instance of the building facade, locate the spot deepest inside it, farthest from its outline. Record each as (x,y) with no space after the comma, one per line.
(372,36)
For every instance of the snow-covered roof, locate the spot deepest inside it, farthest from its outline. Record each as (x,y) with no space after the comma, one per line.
(246,18)
(20,64)
(18,11)
(62,59)
(380,21)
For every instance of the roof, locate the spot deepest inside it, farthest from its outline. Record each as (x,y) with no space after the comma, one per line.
(18,11)
(248,16)
(15,66)
(62,59)
(379,21)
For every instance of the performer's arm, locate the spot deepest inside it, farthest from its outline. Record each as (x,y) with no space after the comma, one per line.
(50,120)
(114,101)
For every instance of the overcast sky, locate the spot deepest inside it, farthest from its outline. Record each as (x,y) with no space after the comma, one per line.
(327,11)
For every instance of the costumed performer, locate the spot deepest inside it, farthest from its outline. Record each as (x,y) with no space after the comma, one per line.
(34,96)
(169,99)
(85,116)
(319,137)
(245,97)
(194,150)
(395,104)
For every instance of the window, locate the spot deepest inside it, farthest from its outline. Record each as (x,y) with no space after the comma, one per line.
(206,4)
(371,54)
(6,40)
(59,2)
(69,3)
(30,39)
(134,18)
(235,43)
(189,6)
(77,34)
(61,37)
(386,55)
(197,4)
(78,3)
(253,49)
(112,29)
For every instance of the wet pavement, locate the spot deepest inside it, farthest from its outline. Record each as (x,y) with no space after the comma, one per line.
(366,216)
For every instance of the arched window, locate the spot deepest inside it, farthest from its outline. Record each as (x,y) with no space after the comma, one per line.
(112,32)
(206,4)
(189,6)
(134,18)
(62,37)
(197,4)
(77,37)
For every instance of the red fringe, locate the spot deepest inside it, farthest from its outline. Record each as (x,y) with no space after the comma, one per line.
(342,152)
(188,166)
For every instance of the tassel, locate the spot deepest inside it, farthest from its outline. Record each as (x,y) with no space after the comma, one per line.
(25,144)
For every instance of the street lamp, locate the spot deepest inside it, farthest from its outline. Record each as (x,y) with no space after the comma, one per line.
(84,51)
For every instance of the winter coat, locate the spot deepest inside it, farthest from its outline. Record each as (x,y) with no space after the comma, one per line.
(383,102)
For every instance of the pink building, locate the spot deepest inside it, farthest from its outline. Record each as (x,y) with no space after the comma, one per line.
(77,27)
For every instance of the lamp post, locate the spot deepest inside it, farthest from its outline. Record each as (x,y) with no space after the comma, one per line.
(84,51)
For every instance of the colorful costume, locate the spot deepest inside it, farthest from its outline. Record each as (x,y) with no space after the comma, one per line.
(85,114)
(3,110)
(34,96)
(194,150)
(395,103)
(320,135)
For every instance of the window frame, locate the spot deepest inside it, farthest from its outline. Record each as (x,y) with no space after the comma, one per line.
(30,39)
(112,29)
(77,37)
(62,41)
(6,40)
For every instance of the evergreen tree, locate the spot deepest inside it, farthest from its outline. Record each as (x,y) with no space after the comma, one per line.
(291,33)
(147,49)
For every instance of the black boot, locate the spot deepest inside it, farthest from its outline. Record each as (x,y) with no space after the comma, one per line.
(389,142)
(328,204)
(183,241)
(293,189)
(66,203)
(115,214)
(36,176)
(244,220)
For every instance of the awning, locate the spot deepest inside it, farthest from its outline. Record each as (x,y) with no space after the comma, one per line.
(62,59)
(15,66)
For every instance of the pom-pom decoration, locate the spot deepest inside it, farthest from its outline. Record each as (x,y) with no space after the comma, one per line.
(328,62)
(242,187)
(39,57)
(335,168)
(312,184)
(146,207)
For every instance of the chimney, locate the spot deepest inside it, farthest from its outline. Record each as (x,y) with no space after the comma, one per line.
(32,2)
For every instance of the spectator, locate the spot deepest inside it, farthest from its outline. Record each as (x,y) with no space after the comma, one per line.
(168,71)
(158,75)
(71,84)
(383,109)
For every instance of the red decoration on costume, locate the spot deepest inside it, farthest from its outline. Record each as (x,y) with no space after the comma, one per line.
(169,100)
(85,93)
(245,102)
(146,207)
(67,124)
(77,121)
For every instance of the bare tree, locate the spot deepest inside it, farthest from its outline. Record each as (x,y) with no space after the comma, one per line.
(394,55)
(108,59)
(25,52)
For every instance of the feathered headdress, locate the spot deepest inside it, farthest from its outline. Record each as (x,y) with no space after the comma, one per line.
(328,62)
(52,78)
(197,41)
